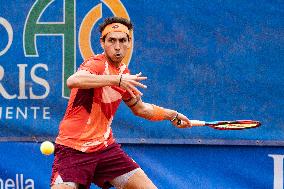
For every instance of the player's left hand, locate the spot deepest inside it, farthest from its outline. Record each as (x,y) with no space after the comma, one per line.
(181,121)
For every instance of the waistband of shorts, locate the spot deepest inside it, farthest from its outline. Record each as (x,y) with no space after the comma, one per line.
(66,146)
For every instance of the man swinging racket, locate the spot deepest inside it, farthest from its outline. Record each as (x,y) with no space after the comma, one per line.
(85,150)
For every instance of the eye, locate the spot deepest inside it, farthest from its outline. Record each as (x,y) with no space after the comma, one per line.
(111,40)
(123,40)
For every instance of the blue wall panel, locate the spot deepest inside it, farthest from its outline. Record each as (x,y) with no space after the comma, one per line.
(211,60)
(169,166)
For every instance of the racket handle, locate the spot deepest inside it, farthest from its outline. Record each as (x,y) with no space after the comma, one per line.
(197,123)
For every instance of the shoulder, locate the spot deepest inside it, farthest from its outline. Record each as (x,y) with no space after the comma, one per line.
(94,64)
(95,59)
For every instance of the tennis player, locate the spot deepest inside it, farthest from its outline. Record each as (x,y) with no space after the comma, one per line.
(85,150)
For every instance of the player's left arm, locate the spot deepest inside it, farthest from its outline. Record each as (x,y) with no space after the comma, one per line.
(156,113)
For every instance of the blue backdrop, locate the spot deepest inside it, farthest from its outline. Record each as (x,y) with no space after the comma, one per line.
(169,166)
(211,60)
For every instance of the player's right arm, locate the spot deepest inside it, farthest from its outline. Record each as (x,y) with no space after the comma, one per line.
(85,80)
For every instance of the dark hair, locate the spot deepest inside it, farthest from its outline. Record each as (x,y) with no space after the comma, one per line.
(115,19)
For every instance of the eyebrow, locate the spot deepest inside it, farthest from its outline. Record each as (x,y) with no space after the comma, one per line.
(117,38)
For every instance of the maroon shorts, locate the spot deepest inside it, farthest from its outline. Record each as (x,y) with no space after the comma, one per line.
(99,167)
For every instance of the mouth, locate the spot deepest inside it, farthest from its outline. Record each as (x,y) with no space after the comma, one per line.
(118,55)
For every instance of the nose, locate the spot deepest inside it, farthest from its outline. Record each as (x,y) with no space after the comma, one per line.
(117,46)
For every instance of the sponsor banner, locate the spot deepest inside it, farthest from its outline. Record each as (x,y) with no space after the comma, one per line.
(209,60)
(191,166)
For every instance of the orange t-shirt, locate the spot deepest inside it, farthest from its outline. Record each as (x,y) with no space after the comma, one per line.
(86,123)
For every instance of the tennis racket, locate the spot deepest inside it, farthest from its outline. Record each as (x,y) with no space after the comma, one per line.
(228,125)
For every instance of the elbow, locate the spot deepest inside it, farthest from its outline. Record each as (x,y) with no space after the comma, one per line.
(139,112)
(72,82)
(136,113)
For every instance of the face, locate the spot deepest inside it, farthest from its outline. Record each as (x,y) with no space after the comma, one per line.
(115,46)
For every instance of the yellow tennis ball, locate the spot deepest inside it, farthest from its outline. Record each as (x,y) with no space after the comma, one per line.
(47,148)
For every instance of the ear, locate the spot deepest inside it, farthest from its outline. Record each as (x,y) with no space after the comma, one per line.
(102,43)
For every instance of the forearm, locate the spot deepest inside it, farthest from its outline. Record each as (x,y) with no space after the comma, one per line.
(155,113)
(92,81)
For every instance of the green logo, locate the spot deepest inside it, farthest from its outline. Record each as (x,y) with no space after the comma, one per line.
(33,29)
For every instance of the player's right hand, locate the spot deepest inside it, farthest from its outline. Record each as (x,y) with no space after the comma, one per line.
(131,82)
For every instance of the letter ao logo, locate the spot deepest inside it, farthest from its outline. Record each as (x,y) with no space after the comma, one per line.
(67,30)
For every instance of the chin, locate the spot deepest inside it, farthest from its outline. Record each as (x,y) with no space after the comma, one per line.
(117,60)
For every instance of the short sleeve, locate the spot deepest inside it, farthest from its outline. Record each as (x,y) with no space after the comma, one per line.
(93,66)
(126,71)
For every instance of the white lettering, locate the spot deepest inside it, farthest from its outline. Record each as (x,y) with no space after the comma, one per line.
(9,112)
(9,183)
(46,113)
(2,89)
(19,111)
(40,81)
(9,30)
(17,183)
(30,184)
(278,170)
(34,112)
(22,81)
